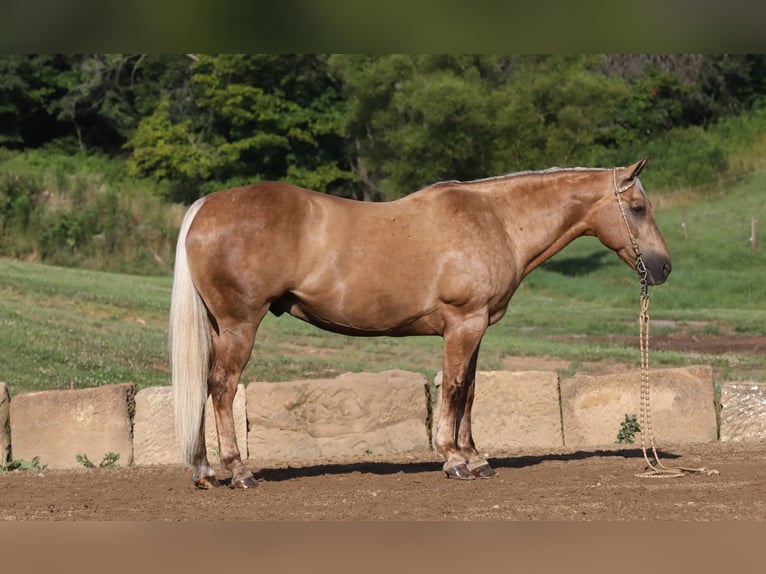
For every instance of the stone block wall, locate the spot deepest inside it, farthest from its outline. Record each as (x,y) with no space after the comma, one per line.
(354,414)
(154,432)
(682,403)
(743,411)
(58,425)
(512,410)
(377,413)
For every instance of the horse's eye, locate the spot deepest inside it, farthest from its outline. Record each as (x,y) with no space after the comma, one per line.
(638,209)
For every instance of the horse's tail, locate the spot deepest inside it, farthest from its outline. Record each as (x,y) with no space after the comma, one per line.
(190,347)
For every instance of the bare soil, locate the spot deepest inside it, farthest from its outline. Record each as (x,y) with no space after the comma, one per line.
(599,485)
(742,352)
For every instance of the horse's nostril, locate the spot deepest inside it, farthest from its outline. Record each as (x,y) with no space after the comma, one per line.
(666,268)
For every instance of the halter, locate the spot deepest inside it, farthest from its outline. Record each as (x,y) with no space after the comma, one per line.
(640,266)
(656,468)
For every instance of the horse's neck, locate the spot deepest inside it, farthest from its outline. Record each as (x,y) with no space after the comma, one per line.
(543,213)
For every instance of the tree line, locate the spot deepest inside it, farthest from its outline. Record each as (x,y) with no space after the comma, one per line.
(366,126)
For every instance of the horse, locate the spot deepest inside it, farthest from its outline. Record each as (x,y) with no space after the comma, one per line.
(444,261)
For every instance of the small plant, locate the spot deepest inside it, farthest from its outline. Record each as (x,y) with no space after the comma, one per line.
(108,461)
(628,429)
(84,460)
(21,464)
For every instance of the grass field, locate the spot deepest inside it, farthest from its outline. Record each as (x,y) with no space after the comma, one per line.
(69,328)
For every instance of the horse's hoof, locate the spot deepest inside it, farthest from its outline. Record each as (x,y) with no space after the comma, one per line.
(459,471)
(207,482)
(244,483)
(483,471)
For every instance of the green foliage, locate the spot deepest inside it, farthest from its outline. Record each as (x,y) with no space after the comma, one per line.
(18,196)
(170,151)
(84,460)
(375,127)
(628,429)
(255,116)
(85,211)
(21,464)
(27,82)
(467,117)
(108,461)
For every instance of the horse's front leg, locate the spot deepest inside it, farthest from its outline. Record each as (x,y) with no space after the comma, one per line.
(475,461)
(461,348)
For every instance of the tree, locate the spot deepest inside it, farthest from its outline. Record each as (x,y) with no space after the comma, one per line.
(26,84)
(249,118)
(415,120)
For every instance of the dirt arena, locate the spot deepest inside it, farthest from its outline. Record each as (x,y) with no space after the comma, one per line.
(565,485)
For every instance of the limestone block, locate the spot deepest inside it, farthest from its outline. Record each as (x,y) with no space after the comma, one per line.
(512,410)
(5,423)
(154,433)
(58,425)
(682,403)
(743,411)
(354,414)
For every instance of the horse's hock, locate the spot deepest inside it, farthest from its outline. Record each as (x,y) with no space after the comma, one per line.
(380,413)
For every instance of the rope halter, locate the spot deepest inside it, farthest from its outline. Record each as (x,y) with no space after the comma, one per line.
(640,265)
(655,469)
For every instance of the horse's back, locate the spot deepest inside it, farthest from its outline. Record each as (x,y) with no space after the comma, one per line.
(269,203)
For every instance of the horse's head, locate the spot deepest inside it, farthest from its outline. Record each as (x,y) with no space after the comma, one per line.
(625,221)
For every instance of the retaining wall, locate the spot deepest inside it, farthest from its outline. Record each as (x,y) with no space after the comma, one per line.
(381,413)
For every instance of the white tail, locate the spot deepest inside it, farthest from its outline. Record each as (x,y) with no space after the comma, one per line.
(190,347)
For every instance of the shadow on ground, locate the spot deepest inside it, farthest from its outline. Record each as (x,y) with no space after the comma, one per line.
(386,468)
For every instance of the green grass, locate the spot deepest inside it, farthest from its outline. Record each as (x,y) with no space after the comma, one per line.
(69,328)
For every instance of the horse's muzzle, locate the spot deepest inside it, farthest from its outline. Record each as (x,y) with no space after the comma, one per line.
(657,270)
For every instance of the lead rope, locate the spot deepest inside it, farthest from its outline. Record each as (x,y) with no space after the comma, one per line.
(656,469)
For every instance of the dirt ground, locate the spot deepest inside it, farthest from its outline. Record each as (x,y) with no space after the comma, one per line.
(599,485)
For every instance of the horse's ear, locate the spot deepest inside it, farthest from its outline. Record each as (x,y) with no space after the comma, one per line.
(631,172)
(636,168)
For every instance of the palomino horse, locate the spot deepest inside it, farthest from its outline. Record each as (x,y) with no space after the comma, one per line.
(442,261)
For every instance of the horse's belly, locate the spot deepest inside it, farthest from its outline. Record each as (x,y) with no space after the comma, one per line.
(372,319)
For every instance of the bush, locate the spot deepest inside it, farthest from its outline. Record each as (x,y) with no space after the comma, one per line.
(83,211)
(19,197)
(687,157)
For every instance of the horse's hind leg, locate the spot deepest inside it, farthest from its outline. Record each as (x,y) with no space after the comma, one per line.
(204,476)
(231,350)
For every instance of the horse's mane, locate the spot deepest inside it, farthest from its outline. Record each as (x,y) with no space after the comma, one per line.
(517,174)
